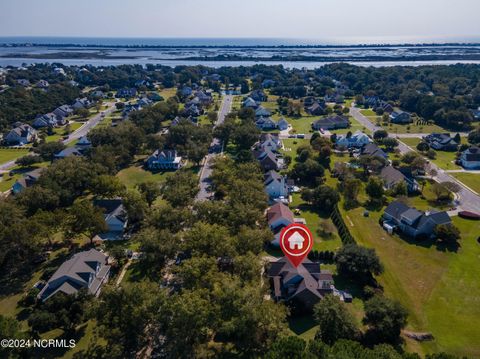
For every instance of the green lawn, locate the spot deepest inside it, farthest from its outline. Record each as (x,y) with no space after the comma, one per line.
(313,220)
(166,93)
(368,112)
(407,128)
(290,146)
(471,180)
(427,281)
(444,160)
(9,154)
(136,174)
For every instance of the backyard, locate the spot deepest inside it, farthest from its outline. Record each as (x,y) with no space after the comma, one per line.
(429,282)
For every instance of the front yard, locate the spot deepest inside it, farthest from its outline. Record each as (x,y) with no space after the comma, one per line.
(445,160)
(471,180)
(10,154)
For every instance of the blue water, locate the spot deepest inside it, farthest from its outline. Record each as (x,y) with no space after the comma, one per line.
(117,41)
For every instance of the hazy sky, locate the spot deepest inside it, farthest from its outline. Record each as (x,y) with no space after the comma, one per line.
(335,20)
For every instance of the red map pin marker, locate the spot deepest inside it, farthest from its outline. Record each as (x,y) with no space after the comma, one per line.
(296,241)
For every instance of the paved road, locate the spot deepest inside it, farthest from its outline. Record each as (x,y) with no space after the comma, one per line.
(87,126)
(468,199)
(215,149)
(80,132)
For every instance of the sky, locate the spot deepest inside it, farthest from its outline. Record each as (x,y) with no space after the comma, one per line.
(349,21)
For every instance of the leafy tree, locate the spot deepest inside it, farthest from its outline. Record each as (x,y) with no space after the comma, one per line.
(38,198)
(385,319)
(351,188)
(307,172)
(135,206)
(157,247)
(423,146)
(380,135)
(374,189)
(335,321)
(323,197)
(400,189)
(86,219)
(150,191)
(107,186)
(390,143)
(441,192)
(245,135)
(474,136)
(207,239)
(124,315)
(47,150)
(28,161)
(289,347)
(358,261)
(180,189)
(447,232)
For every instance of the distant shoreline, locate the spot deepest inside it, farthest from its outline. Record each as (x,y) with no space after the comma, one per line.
(143,46)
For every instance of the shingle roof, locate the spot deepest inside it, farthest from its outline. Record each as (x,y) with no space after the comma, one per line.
(77,272)
(277,211)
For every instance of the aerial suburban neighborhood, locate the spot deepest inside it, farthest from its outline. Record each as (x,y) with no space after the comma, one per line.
(155,179)
(148,187)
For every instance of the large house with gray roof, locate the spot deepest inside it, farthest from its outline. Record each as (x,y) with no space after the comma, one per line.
(85,270)
(412,222)
(400,117)
(392,177)
(470,158)
(441,142)
(20,135)
(331,123)
(302,286)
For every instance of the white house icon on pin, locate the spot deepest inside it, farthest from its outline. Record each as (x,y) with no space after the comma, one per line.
(295,240)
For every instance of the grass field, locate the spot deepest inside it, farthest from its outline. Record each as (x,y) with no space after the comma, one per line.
(427,280)
(9,154)
(368,113)
(136,174)
(166,93)
(471,180)
(407,128)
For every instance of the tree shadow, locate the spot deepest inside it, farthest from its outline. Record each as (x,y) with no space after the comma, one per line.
(57,351)
(427,242)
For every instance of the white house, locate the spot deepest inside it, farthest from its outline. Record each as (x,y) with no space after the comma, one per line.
(358,139)
(470,158)
(166,159)
(275,185)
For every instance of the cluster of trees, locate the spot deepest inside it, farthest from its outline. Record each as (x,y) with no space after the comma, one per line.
(21,104)
(212,293)
(443,94)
